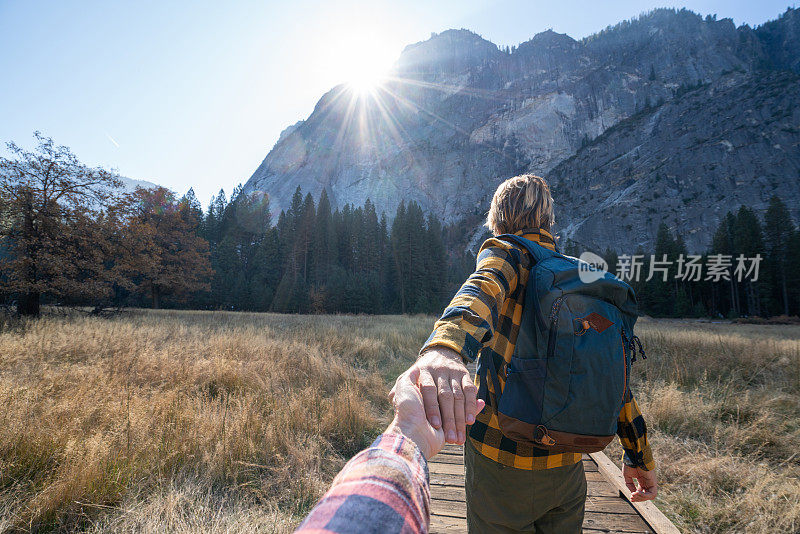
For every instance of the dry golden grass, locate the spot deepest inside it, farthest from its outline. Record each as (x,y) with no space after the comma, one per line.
(722,402)
(183,421)
(229,422)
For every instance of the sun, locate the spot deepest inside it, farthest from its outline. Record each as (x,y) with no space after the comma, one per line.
(359,52)
(365,68)
(366,81)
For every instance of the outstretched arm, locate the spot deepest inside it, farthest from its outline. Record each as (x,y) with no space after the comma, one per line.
(467,324)
(386,485)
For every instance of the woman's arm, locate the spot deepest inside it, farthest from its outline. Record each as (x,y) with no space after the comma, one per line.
(384,488)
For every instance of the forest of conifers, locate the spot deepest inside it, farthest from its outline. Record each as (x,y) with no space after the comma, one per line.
(69,235)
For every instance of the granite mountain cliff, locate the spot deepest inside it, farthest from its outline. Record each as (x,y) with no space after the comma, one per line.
(667,117)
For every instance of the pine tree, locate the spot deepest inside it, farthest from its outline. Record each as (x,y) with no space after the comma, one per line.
(267,270)
(793,268)
(684,300)
(371,243)
(195,209)
(778,229)
(722,243)
(639,285)
(612,260)
(386,268)
(215,213)
(283,299)
(305,235)
(289,296)
(400,247)
(748,241)
(416,271)
(661,292)
(324,242)
(436,265)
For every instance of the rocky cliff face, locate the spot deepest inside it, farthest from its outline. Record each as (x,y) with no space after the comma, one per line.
(687,162)
(675,112)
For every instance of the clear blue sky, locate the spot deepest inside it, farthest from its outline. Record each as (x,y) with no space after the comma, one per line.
(194,94)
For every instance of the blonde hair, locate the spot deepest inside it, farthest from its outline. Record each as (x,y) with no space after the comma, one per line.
(519,203)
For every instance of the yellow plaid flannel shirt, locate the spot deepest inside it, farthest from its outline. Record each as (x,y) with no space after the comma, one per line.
(486,313)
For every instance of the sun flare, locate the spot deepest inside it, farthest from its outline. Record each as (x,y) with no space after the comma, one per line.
(366,81)
(365,64)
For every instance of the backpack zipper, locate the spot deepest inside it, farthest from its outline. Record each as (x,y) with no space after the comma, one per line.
(624,369)
(551,338)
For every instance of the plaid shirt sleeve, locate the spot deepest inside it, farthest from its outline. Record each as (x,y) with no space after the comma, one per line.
(471,318)
(632,432)
(385,484)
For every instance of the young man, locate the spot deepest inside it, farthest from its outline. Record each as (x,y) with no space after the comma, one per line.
(511,486)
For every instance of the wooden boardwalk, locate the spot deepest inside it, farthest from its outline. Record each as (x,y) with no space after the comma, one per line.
(607,510)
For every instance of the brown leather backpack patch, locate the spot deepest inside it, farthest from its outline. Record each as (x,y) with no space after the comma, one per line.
(597,321)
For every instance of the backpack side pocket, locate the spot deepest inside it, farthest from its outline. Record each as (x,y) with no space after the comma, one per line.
(520,407)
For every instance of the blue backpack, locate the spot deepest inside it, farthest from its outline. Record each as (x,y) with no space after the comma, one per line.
(568,377)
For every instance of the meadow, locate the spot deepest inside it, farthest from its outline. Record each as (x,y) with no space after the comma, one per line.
(233,422)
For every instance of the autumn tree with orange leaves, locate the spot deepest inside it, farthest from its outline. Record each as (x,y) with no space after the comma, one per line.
(176,262)
(68,231)
(52,225)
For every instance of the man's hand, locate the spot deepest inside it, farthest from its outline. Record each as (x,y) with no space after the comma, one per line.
(448,393)
(409,415)
(646,487)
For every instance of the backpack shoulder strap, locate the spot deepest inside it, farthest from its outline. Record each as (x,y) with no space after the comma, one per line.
(537,251)
(486,369)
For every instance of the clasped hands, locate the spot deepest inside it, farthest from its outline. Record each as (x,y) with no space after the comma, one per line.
(434,400)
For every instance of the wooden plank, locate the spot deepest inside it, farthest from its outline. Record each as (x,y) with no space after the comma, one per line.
(457,459)
(614,522)
(449,508)
(611,505)
(451,459)
(586,530)
(597,484)
(447,525)
(447,480)
(447,469)
(449,493)
(649,511)
(589,466)
(448,459)
(451,452)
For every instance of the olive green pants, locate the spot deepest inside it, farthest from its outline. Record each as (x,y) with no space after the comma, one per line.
(507,500)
